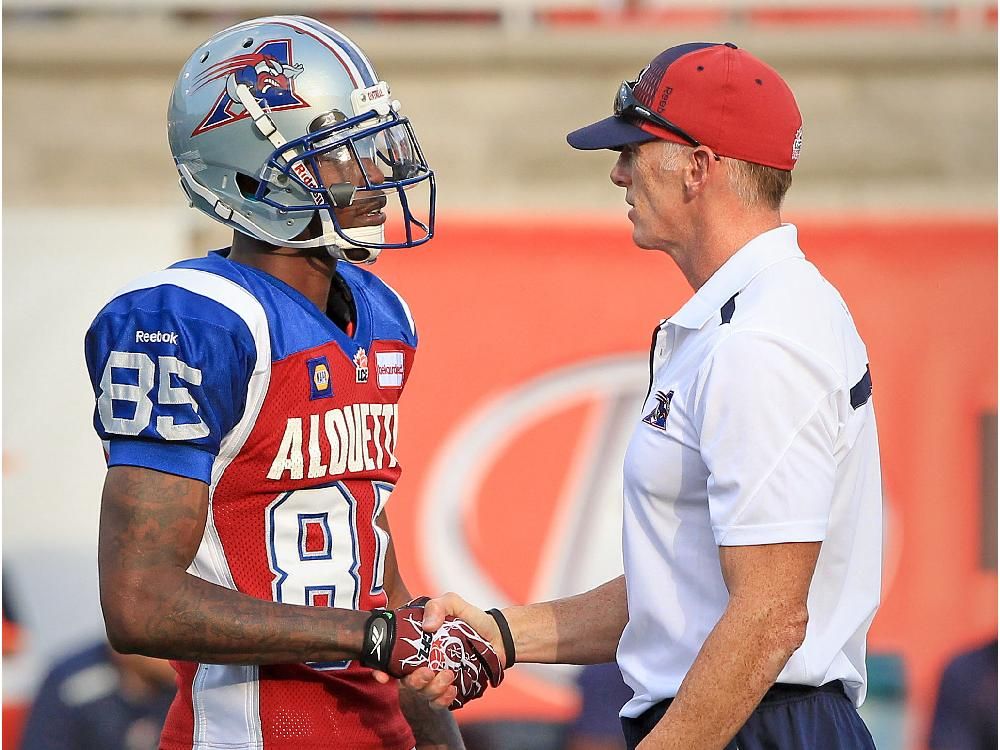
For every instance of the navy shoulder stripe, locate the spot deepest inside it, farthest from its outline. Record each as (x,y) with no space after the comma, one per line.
(728,309)
(862,391)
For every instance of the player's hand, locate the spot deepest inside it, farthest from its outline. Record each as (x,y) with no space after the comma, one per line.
(396,644)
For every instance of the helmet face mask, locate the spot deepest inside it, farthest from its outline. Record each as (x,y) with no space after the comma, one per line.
(348,169)
(280,128)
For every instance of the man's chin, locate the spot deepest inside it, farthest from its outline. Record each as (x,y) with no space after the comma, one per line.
(641,240)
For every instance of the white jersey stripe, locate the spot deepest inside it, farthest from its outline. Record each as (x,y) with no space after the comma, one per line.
(228,694)
(406,308)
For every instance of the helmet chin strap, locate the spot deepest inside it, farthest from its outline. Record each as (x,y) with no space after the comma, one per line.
(331,239)
(363,234)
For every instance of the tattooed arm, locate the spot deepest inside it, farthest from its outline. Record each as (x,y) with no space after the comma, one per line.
(151,526)
(433,728)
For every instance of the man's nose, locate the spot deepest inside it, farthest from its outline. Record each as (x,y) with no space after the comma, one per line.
(620,175)
(372,172)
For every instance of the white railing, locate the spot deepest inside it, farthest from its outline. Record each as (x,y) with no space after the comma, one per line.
(498,7)
(524,15)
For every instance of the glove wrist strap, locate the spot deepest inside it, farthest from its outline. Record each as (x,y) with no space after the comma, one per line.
(380,634)
(505,636)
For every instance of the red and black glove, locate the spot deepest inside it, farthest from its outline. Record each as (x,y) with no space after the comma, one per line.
(395,643)
(458,647)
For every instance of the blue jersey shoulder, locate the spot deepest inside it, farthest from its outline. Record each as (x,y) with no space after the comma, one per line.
(296,324)
(170,359)
(390,315)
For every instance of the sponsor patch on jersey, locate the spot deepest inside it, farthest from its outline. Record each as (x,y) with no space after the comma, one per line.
(320,384)
(268,72)
(658,416)
(389,368)
(360,366)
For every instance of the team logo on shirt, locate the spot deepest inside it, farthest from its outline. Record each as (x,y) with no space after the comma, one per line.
(658,416)
(360,366)
(319,378)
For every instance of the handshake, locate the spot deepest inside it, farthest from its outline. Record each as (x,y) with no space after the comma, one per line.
(396,644)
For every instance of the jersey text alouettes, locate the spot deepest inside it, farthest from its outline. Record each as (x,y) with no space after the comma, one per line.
(219,372)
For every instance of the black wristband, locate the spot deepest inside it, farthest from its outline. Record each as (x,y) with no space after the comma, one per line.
(380,632)
(505,636)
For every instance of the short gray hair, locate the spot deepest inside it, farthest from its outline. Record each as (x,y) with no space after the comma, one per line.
(755,184)
(758,185)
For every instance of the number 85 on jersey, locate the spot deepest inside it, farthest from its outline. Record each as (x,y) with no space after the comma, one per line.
(130,377)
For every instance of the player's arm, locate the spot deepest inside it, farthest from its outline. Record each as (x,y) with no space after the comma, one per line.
(395,588)
(764,623)
(432,729)
(151,526)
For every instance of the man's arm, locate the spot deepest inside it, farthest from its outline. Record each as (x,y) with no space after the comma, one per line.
(581,629)
(151,526)
(433,729)
(764,623)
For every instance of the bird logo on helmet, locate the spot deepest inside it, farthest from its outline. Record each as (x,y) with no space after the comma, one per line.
(269,74)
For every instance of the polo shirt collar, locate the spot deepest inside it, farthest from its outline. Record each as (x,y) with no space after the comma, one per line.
(736,273)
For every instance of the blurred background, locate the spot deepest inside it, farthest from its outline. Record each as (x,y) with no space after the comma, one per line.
(534,310)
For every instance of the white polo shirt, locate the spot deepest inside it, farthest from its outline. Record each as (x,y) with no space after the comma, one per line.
(758,429)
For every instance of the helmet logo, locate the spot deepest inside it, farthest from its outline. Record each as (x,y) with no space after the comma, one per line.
(270,74)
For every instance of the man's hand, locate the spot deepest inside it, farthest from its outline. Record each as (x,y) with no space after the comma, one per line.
(397,644)
(452,605)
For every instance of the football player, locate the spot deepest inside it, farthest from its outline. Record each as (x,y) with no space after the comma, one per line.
(247,402)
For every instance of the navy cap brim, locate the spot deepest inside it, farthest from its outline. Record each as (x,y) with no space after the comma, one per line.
(611,132)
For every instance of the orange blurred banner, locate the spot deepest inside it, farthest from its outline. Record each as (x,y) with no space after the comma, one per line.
(532,364)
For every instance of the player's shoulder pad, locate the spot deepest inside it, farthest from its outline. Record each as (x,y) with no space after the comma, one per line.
(197,300)
(391,315)
(173,359)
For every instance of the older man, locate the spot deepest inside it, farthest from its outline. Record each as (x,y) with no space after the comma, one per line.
(752,526)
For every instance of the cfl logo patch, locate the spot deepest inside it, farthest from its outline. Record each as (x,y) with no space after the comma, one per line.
(360,366)
(320,383)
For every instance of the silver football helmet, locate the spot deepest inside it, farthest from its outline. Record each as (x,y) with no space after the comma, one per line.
(281,129)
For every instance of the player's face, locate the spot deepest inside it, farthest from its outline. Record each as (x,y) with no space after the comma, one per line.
(339,166)
(654,190)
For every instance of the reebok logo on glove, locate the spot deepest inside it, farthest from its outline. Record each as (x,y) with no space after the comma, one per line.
(395,643)
(377,636)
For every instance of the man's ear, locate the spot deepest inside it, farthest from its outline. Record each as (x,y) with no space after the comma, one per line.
(702,167)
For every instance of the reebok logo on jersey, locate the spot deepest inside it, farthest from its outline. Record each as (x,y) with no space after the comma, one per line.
(658,416)
(389,367)
(155,337)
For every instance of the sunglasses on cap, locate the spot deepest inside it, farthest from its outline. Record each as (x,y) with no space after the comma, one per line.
(627,105)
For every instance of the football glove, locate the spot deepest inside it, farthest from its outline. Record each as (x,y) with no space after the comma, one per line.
(395,643)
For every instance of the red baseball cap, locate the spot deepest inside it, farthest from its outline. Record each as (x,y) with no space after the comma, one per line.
(708,93)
